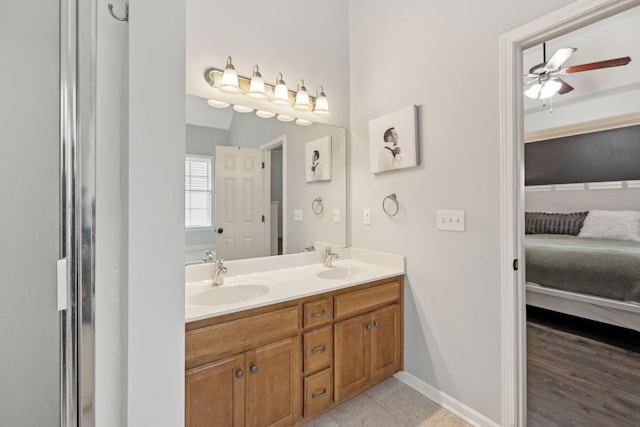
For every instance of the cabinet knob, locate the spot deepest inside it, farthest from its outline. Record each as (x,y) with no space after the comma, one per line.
(320,314)
(368,326)
(376,323)
(253,369)
(239,373)
(320,395)
(319,350)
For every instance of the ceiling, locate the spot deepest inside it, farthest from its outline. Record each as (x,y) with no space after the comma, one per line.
(614,37)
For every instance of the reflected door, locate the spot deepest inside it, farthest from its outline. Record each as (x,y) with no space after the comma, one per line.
(239,178)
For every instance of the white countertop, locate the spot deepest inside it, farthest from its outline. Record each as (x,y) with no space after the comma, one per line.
(287,277)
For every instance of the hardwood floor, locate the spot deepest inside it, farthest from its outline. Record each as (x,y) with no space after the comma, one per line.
(576,380)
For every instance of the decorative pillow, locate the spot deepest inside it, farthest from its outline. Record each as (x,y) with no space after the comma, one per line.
(616,225)
(554,223)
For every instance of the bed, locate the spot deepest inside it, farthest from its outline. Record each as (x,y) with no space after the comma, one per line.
(594,278)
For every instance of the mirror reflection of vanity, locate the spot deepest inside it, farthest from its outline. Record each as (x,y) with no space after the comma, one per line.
(297,211)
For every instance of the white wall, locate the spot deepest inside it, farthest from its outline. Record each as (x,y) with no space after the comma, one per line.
(29,119)
(582,200)
(154,227)
(442,56)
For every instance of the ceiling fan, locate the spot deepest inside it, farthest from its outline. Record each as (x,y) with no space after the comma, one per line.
(544,79)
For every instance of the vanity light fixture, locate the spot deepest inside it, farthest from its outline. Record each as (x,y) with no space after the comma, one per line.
(229,82)
(256,88)
(291,105)
(280,93)
(322,104)
(265,114)
(302,98)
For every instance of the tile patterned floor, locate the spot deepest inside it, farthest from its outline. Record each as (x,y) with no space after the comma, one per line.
(389,404)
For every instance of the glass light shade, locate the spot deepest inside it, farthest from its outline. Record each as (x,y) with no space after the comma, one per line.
(256,88)
(229,81)
(534,91)
(285,118)
(242,109)
(265,114)
(322,106)
(280,92)
(302,98)
(217,104)
(550,88)
(303,122)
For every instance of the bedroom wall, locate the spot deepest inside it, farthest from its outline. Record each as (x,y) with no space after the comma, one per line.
(582,200)
(443,57)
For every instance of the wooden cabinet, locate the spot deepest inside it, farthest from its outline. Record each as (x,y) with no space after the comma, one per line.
(258,388)
(285,364)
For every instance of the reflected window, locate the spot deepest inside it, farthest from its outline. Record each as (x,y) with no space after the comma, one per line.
(198,203)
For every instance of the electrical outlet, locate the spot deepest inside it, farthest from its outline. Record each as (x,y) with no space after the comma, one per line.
(450,220)
(336,215)
(366,216)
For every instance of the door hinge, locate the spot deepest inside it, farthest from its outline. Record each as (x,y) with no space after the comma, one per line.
(515,264)
(262,165)
(262,218)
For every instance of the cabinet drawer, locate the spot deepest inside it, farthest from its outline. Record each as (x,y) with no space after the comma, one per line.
(234,335)
(317,393)
(318,349)
(367,298)
(317,312)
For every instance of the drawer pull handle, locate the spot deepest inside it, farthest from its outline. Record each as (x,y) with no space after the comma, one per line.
(368,326)
(319,350)
(322,313)
(239,373)
(320,395)
(376,323)
(253,369)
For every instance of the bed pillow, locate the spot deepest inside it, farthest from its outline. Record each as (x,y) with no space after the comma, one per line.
(554,223)
(615,225)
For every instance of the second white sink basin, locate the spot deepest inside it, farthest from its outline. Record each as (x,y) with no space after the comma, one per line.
(227,294)
(342,272)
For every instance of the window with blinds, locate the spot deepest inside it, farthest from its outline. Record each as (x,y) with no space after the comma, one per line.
(198,204)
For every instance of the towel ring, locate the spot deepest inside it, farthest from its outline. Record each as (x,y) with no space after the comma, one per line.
(316,206)
(390,205)
(126,12)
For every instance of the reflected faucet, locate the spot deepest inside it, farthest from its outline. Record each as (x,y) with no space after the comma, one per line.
(329,255)
(308,247)
(218,273)
(208,257)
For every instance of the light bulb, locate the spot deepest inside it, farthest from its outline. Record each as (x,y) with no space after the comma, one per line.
(550,88)
(534,91)
(322,104)
(256,88)
(229,81)
(280,93)
(302,98)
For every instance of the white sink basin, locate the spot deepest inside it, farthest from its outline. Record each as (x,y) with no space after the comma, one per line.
(342,272)
(227,294)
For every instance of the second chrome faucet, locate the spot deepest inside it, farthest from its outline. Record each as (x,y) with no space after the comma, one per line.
(329,255)
(218,272)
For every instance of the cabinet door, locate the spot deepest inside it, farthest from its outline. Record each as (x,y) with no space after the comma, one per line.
(214,394)
(274,391)
(352,364)
(385,345)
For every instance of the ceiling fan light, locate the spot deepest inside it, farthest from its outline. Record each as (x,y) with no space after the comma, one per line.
(549,88)
(534,91)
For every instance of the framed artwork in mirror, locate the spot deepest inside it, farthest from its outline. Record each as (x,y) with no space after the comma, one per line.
(318,159)
(393,140)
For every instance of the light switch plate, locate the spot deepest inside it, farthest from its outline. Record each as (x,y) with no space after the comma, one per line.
(336,215)
(450,220)
(366,216)
(297,214)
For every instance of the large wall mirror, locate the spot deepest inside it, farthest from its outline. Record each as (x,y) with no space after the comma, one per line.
(263,198)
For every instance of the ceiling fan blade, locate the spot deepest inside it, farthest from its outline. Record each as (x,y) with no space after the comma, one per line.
(566,87)
(559,58)
(597,65)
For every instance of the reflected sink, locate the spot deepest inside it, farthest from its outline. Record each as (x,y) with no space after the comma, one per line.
(342,272)
(227,294)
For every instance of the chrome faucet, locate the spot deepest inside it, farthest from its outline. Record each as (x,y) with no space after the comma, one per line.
(208,257)
(329,255)
(218,273)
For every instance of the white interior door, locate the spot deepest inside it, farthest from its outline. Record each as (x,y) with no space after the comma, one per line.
(239,178)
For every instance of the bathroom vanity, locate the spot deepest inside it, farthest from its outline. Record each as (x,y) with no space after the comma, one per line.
(278,360)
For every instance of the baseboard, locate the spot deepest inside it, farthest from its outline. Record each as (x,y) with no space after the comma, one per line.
(452,405)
